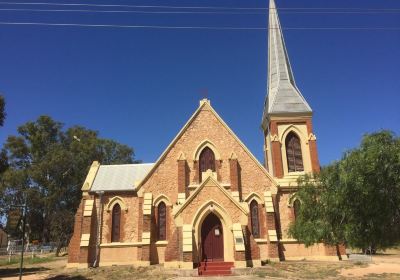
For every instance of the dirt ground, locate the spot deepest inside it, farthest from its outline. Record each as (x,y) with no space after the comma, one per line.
(382,266)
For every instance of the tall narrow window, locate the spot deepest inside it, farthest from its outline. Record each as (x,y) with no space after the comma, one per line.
(162,221)
(293,153)
(207,160)
(116,223)
(296,208)
(255,225)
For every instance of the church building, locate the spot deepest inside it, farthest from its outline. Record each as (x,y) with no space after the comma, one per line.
(207,200)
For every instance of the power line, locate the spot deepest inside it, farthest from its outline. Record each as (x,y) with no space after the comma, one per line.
(198,27)
(204,7)
(131,11)
(189,12)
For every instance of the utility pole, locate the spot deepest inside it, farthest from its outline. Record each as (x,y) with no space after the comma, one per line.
(23,238)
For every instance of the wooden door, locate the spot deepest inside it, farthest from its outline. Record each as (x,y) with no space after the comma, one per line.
(212,239)
(207,161)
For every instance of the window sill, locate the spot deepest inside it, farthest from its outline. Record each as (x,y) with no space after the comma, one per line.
(261,240)
(161,243)
(120,244)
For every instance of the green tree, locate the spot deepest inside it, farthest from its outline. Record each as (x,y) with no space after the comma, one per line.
(47,165)
(355,201)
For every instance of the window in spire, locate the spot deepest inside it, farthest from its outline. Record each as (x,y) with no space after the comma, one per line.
(293,153)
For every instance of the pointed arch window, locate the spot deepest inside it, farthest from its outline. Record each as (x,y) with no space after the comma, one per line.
(255,224)
(296,208)
(162,221)
(293,153)
(207,160)
(116,223)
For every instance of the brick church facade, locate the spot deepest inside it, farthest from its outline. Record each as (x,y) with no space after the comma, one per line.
(207,198)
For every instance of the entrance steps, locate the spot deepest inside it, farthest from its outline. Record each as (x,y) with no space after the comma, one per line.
(215,268)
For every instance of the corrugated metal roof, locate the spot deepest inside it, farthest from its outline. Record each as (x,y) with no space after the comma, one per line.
(283,94)
(120,177)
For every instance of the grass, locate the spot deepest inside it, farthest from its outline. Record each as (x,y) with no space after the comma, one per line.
(27,260)
(124,272)
(301,270)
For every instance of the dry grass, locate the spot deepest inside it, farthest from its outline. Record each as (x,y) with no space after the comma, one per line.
(302,270)
(55,270)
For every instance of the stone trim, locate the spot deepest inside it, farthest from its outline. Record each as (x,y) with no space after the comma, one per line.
(269,205)
(87,212)
(214,183)
(273,237)
(187,238)
(147,203)
(85,240)
(115,200)
(161,198)
(200,148)
(145,238)
(238,237)
(254,196)
(181,198)
(87,185)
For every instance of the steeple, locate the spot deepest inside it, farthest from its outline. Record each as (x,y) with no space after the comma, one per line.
(290,147)
(283,95)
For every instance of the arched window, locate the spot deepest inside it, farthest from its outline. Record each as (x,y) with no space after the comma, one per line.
(296,208)
(116,223)
(207,160)
(255,225)
(293,153)
(162,221)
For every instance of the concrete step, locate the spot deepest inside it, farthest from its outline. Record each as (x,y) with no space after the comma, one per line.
(215,273)
(215,268)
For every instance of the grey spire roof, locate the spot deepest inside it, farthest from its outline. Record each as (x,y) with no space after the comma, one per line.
(283,94)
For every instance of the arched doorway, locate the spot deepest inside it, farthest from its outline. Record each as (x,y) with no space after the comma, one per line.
(212,239)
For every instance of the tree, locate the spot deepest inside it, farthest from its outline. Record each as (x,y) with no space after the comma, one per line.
(47,165)
(355,201)
(2,110)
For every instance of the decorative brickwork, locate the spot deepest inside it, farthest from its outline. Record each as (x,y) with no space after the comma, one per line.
(74,243)
(182,176)
(252,249)
(276,152)
(174,247)
(234,174)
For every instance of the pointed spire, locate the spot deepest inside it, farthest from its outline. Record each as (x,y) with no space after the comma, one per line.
(283,94)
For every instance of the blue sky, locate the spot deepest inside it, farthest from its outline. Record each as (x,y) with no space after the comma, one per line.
(139,86)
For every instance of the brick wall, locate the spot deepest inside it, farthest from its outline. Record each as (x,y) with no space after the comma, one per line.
(74,243)
(173,250)
(206,126)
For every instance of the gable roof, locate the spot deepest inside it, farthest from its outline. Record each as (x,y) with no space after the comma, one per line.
(119,177)
(205,103)
(214,183)
(283,94)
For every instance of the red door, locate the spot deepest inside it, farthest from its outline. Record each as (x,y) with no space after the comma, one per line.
(212,239)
